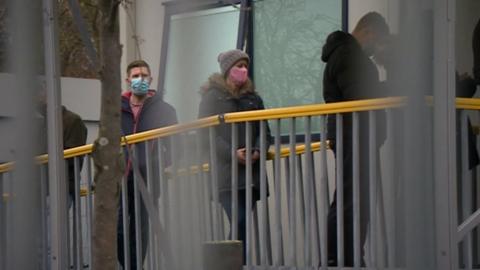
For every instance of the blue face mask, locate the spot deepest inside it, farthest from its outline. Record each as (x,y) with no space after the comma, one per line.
(139,86)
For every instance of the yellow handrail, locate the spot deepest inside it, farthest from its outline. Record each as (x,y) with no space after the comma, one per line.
(468,103)
(267,114)
(284,152)
(316,109)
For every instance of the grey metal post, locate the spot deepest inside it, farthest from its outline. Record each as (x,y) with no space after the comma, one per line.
(308,191)
(56,169)
(372,151)
(391,237)
(278,204)
(248,190)
(356,191)
(137,207)
(125,221)
(164,243)
(214,171)
(45,215)
(339,190)
(263,194)
(234,225)
(324,201)
(89,208)
(151,236)
(292,260)
(78,217)
(466,194)
(444,154)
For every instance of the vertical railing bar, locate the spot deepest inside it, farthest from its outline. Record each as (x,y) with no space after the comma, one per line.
(208,187)
(214,171)
(466,188)
(176,206)
(203,199)
(356,191)
(234,224)
(263,194)
(373,187)
(391,239)
(324,201)
(45,219)
(137,207)
(292,194)
(163,243)
(151,235)
(89,209)
(278,203)
(301,199)
(248,190)
(9,216)
(71,225)
(308,191)
(125,221)
(77,213)
(339,191)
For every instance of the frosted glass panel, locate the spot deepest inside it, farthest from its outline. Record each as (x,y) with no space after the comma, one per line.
(288,40)
(195,41)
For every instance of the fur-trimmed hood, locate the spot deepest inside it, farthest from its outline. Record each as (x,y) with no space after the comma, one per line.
(217,81)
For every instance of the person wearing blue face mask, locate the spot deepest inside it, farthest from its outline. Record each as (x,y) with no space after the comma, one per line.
(142,109)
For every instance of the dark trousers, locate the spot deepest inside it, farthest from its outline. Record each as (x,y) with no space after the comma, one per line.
(348,205)
(131,219)
(225,199)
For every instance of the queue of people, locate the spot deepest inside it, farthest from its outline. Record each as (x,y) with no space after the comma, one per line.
(349,75)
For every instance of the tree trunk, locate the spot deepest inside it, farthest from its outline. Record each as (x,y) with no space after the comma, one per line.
(108,160)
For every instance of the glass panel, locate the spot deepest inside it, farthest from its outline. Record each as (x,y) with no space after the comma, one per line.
(288,40)
(195,41)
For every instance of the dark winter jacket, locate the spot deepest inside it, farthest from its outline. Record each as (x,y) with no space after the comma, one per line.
(349,75)
(218,98)
(155,113)
(74,134)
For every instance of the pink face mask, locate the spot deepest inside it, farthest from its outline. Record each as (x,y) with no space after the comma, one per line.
(238,75)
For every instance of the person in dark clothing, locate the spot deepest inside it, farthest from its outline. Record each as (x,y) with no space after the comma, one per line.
(142,109)
(351,75)
(476,53)
(232,91)
(74,133)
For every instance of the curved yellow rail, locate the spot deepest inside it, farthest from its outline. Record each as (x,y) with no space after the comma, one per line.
(316,109)
(267,114)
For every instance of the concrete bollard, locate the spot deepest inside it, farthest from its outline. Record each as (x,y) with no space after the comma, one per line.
(222,255)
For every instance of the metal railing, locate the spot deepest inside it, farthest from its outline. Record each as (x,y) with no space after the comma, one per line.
(181,191)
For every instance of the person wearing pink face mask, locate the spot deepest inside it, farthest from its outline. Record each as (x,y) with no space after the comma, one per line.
(231,90)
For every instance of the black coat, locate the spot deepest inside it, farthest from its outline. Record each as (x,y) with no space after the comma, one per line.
(155,113)
(349,75)
(217,98)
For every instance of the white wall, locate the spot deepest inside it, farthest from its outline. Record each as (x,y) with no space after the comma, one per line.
(82,96)
(145,28)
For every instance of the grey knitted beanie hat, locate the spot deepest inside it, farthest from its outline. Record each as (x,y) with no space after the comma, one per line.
(229,58)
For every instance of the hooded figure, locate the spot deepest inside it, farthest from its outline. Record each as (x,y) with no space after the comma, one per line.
(351,75)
